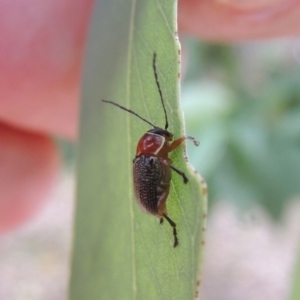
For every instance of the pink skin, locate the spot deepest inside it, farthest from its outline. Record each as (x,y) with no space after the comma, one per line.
(29,164)
(233,20)
(41,49)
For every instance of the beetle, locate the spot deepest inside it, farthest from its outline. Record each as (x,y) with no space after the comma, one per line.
(152,166)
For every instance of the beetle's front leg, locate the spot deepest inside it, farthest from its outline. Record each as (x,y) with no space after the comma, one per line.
(177,142)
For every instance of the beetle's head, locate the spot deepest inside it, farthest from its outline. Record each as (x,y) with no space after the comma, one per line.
(163,132)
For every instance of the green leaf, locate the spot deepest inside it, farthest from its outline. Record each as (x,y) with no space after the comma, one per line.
(119,251)
(295,291)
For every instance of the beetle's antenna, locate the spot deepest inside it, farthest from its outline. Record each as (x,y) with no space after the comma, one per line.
(130,111)
(159,90)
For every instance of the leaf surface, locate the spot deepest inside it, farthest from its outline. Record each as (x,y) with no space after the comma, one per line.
(120,252)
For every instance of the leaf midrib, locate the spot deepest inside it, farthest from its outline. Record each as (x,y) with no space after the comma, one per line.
(130,196)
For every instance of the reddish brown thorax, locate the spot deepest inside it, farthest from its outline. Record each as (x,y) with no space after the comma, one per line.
(154,144)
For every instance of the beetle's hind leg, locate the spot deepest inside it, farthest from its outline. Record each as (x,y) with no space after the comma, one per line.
(173,224)
(185,179)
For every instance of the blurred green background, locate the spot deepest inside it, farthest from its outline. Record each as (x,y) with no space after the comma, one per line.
(242,102)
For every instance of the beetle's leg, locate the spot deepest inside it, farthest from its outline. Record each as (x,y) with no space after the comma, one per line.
(161,204)
(177,142)
(196,143)
(161,220)
(173,224)
(185,179)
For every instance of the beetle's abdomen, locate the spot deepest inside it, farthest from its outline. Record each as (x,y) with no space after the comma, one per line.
(149,182)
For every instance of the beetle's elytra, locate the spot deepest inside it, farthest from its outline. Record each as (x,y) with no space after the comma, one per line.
(152,166)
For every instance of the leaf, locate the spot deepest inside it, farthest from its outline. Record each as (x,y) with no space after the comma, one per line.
(295,290)
(119,252)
